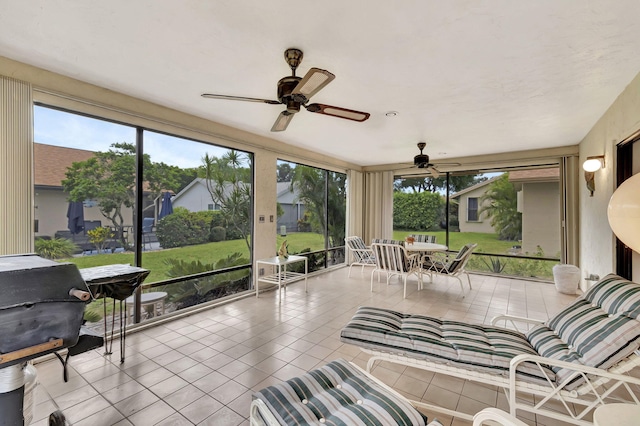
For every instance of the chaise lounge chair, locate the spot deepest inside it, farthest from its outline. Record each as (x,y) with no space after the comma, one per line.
(578,358)
(340,393)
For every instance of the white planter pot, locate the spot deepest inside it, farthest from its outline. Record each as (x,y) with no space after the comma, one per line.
(567,278)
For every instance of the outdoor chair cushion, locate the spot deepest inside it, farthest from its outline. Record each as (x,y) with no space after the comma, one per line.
(421,238)
(338,394)
(477,347)
(599,329)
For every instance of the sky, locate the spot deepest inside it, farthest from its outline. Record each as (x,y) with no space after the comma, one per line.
(59,128)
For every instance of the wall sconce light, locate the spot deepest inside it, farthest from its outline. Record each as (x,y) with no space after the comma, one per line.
(590,166)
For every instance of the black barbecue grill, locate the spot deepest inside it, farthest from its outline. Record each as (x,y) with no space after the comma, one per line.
(41,311)
(41,308)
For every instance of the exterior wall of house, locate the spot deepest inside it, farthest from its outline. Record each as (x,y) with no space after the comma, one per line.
(541,217)
(51,212)
(195,199)
(483,224)
(292,212)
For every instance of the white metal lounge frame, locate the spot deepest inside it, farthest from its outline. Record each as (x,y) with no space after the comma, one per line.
(598,386)
(363,256)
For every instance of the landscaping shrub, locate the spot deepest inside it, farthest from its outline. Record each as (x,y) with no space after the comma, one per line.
(184,228)
(218,233)
(54,248)
(420,211)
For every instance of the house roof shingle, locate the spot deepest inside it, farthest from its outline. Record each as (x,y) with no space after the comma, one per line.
(51,162)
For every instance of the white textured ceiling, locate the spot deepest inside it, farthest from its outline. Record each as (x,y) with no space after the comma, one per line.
(468,77)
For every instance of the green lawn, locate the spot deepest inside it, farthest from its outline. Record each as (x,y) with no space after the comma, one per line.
(206,253)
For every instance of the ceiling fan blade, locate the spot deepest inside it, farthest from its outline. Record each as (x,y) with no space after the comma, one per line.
(239,98)
(334,111)
(312,83)
(434,172)
(282,121)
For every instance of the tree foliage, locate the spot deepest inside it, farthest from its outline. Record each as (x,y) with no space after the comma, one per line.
(110,179)
(417,211)
(432,184)
(284,172)
(500,203)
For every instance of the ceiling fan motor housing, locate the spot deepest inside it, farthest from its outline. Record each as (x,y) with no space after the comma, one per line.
(421,160)
(285,87)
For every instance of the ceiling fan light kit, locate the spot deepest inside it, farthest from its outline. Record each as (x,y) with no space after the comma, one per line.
(294,91)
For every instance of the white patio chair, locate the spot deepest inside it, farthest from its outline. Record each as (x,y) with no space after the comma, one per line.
(452,265)
(393,259)
(362,255)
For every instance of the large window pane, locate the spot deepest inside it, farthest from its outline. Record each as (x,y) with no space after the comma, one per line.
(84,167)
(311,212)
(196,219)
(84,172)
(513,216)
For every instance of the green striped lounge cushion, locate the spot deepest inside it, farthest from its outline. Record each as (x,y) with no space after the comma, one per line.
(337,394)
(599,329)
(475,347)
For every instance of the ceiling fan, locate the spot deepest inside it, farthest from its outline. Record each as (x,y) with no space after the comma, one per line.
(294,92)
(421,161)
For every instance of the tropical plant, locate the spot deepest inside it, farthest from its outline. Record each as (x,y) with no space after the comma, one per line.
(54,248)
(495,264)
(227,181)
(500,203)
(324,196)
(199,290)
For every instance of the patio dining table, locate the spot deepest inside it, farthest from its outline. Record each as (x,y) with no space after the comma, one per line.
(425,248)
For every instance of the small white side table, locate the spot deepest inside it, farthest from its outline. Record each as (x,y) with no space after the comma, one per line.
(617,414)
(281,277)
(154,298)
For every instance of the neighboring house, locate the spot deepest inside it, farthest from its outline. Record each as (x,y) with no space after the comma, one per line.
(51,202)
(469,217)
(195,197)
(293,208)
(539,203)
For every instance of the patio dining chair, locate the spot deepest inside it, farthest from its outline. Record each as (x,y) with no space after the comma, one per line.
(362,255)
(393,259)
(447,264)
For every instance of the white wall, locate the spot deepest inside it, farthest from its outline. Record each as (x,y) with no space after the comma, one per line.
(618,123)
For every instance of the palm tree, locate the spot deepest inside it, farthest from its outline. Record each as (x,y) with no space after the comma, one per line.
(500,203)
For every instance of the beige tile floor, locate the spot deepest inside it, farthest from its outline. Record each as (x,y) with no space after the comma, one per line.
(201,369)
